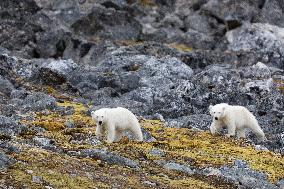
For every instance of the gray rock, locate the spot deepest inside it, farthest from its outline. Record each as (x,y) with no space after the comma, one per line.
(65,10)
(54,36)
(69,124)
(37,179)
(272,13)
(42,141)
(198,121)
(6,87)
(150,87)
(263,38)
(258,71)
(19,94)
(9,128)
(231,12)
(147,137)
(280,183)
(5,161)
(240,163)
(108,23)
(202,23)
(245,177)
(38,101)
(9,148)
(156,152)
(109,157)
(209,171)
(178,167)
(18,35)
(55,72)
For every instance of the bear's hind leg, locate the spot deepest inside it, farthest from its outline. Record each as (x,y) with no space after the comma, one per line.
(242,133)
(118,136)
(258,131)
(137,133)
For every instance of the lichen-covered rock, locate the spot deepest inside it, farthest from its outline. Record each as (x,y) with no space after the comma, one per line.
(56,72)
(233,13)
(8,147)
(6,87)
(245,177)
(108,23)
(38,101)
(5,161)
(109,157)
(272,12)
(156,152)
(150,83)
(178,167)
(263,38)
(9,128)
(198,121)
(67,11)
(17,34)
(164,60)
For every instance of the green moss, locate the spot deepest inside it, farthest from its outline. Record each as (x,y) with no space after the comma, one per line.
(57,170)
(147,3)
(184,146)
(279,84)
(180,47)
(183,182)
(201,149)
(207,150)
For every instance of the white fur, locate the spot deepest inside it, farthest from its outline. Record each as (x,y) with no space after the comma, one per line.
(114,121)
(235,118)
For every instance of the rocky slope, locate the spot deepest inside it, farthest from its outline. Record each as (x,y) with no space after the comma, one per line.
(166,61)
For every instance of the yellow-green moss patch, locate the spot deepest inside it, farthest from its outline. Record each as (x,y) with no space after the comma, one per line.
(180,47)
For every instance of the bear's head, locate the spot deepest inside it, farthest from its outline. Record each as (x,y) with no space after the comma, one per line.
(218,111)
(99,116)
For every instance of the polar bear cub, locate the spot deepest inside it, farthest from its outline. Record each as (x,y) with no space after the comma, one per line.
(114,121)
(235,118)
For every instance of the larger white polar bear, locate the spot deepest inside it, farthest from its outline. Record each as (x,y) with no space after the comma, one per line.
(115,121)
(235,118)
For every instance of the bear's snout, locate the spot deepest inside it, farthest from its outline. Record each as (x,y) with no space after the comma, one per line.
(100,122)
(216,118)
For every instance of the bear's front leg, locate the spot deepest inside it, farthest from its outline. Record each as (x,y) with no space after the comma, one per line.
(215,127)
(231,129)
(110,133)
(99,131)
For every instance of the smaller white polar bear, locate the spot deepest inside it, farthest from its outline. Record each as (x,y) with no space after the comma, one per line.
(235,118)
(115,121)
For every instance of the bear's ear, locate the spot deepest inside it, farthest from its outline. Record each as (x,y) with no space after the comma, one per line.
(210,107)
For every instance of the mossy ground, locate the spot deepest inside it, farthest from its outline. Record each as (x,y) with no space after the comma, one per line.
(180,47)
(184,146)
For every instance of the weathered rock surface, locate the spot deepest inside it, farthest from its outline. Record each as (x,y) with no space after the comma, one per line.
(109,157)
(263,38)
(166,61)
(5,161)
(9,128)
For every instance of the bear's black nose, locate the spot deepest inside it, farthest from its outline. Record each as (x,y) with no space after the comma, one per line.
(100,122)
(216,118)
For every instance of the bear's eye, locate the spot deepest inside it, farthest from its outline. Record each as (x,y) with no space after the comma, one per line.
(214,112)
(102,116)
